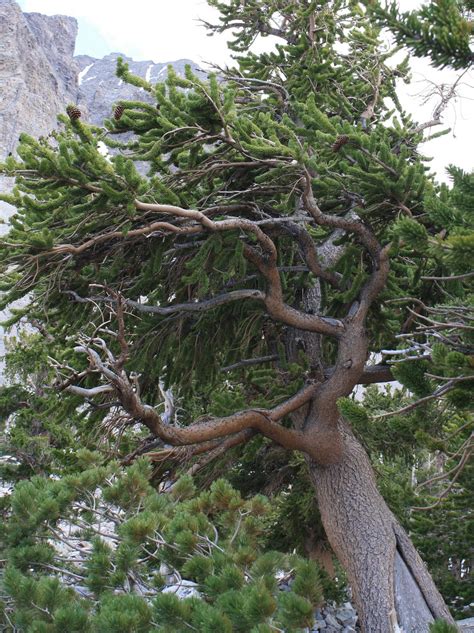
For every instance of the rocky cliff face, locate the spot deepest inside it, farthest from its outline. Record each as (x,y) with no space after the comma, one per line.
(56,36)
(37,71)
(39,75)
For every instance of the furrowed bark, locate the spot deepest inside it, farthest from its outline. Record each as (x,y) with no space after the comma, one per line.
(391,585)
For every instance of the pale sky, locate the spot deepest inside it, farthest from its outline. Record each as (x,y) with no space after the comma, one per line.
(167,30)
(160,30)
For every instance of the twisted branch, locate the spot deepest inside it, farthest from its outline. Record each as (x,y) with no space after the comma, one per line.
(204,433)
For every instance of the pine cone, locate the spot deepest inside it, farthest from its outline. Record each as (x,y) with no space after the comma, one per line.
(119,110)
(73,112)
(340,141)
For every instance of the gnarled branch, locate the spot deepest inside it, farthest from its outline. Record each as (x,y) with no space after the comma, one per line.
(264,421)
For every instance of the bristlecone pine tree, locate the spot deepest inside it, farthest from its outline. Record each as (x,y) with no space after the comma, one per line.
(249,277)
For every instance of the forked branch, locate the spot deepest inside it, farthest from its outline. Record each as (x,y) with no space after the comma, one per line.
(264,258)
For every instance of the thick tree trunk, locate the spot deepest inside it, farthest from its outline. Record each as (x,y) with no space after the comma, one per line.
(392,588)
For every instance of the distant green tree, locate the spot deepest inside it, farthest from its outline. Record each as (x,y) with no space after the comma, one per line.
(102,568)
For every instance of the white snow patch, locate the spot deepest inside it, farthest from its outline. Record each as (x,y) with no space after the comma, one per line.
(89,78)
(148,72)
(83,73)
(120,82)
(162,71)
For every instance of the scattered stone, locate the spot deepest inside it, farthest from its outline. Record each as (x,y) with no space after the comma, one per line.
(345,615)
(333,618)
(318,614)
(467,625)
(331,621)
(184,589)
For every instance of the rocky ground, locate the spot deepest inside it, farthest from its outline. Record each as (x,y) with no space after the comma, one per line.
(334,618)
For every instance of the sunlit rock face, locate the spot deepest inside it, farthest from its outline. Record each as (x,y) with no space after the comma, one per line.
(39,75)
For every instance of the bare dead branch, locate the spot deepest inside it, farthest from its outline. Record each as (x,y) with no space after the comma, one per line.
(89,393)
(247,362)
(450,378)
(467,445)
(436,394)
(369,111)
(457,472)
(193,306)
(446,93)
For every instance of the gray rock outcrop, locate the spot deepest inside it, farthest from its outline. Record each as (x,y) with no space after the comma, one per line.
(37,72)
(467,625)
(39,75)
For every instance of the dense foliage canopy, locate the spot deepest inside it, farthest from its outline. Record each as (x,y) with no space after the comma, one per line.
(179,275)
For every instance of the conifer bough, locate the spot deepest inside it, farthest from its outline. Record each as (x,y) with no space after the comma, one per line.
(284,208)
